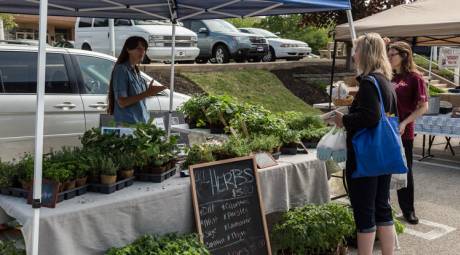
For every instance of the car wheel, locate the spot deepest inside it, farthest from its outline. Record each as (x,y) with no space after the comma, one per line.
(221,55)
(270,57)
(86,47)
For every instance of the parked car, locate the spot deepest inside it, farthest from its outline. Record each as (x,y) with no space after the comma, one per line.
(280,48)
(93,33)
(21,42)
(220,42)
(75,95)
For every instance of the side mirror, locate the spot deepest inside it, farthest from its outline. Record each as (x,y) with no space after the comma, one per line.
(203,30)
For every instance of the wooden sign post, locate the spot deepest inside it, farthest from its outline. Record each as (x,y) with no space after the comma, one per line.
(228,207)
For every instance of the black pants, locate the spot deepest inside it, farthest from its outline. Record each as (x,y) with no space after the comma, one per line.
(406,195)
(369,197)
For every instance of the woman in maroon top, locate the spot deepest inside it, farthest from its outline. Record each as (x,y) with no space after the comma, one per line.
(412,103)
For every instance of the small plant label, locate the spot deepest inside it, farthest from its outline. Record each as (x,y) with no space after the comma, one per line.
(265,160)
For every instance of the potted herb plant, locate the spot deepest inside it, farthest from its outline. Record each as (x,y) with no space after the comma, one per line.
(108,170)
(314,230)
(265,143)
(220,112)
(25,168)
(7,174)
(194,111)
(58,173)
(290,139)
(126,163)
(232,148)
(198,154)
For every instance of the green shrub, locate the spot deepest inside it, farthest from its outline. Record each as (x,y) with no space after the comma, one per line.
(9,248)
(163,245)
(301,121)
(314,229)
(7,174)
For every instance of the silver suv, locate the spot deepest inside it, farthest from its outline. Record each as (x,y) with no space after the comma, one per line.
(75,96)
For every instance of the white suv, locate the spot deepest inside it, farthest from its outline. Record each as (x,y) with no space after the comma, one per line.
(75,96)
(93,34)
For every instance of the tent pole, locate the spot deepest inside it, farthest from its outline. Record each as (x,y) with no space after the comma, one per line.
(351,25)
(171,89)
(112,36)
(39,124)
(430,64)
(334,56)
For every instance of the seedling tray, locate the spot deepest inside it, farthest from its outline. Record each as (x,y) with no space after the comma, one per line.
(107,189)
(146,177)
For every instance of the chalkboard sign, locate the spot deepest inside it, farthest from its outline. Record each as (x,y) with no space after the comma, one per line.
(228,208)
(50,191)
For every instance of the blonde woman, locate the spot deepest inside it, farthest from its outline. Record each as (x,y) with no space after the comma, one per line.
(369,196)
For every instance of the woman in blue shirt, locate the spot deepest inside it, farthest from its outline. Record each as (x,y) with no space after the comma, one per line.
(128,90)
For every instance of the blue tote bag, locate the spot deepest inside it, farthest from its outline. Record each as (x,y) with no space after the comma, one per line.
(378,149)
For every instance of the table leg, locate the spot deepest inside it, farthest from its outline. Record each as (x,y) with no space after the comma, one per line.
(448,145)
(430,143)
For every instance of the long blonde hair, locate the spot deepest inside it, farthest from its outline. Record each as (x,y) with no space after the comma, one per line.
(373,55)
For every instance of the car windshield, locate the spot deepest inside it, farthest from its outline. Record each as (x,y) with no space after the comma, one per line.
(217,25)
(263,32)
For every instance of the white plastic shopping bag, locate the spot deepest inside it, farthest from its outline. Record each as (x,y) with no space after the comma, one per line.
(333,145)
(399,181)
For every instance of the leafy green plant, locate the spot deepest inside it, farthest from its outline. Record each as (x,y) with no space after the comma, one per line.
(107,166)
(25,168)
(198,154)
(194,109)
(264,143)
(163,245)
(301,121)
(434,91)
(7,174)
(153,148)
(290,137)
(57,172)
(254,119)
(313,135)
(9,248)
(126,161)
(222,109)
(313,229)
(232,148)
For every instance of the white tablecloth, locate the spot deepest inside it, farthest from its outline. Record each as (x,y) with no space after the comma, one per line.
(92,223)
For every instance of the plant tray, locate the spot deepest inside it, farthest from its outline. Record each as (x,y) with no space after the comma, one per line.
(144,177)
(107,189)
(289,150)
(15,192)
(69,194)
(66,195)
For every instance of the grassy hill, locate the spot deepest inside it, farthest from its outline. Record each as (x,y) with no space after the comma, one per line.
(251,86)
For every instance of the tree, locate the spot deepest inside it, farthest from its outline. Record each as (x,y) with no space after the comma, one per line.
(6,22)
(360,9)
(288,26)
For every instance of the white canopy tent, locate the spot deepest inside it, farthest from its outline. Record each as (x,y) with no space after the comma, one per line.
(173,10)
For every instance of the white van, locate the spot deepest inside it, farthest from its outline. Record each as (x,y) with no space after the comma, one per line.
(93,34)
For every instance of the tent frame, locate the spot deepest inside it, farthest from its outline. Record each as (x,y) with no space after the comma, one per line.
(41,63)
